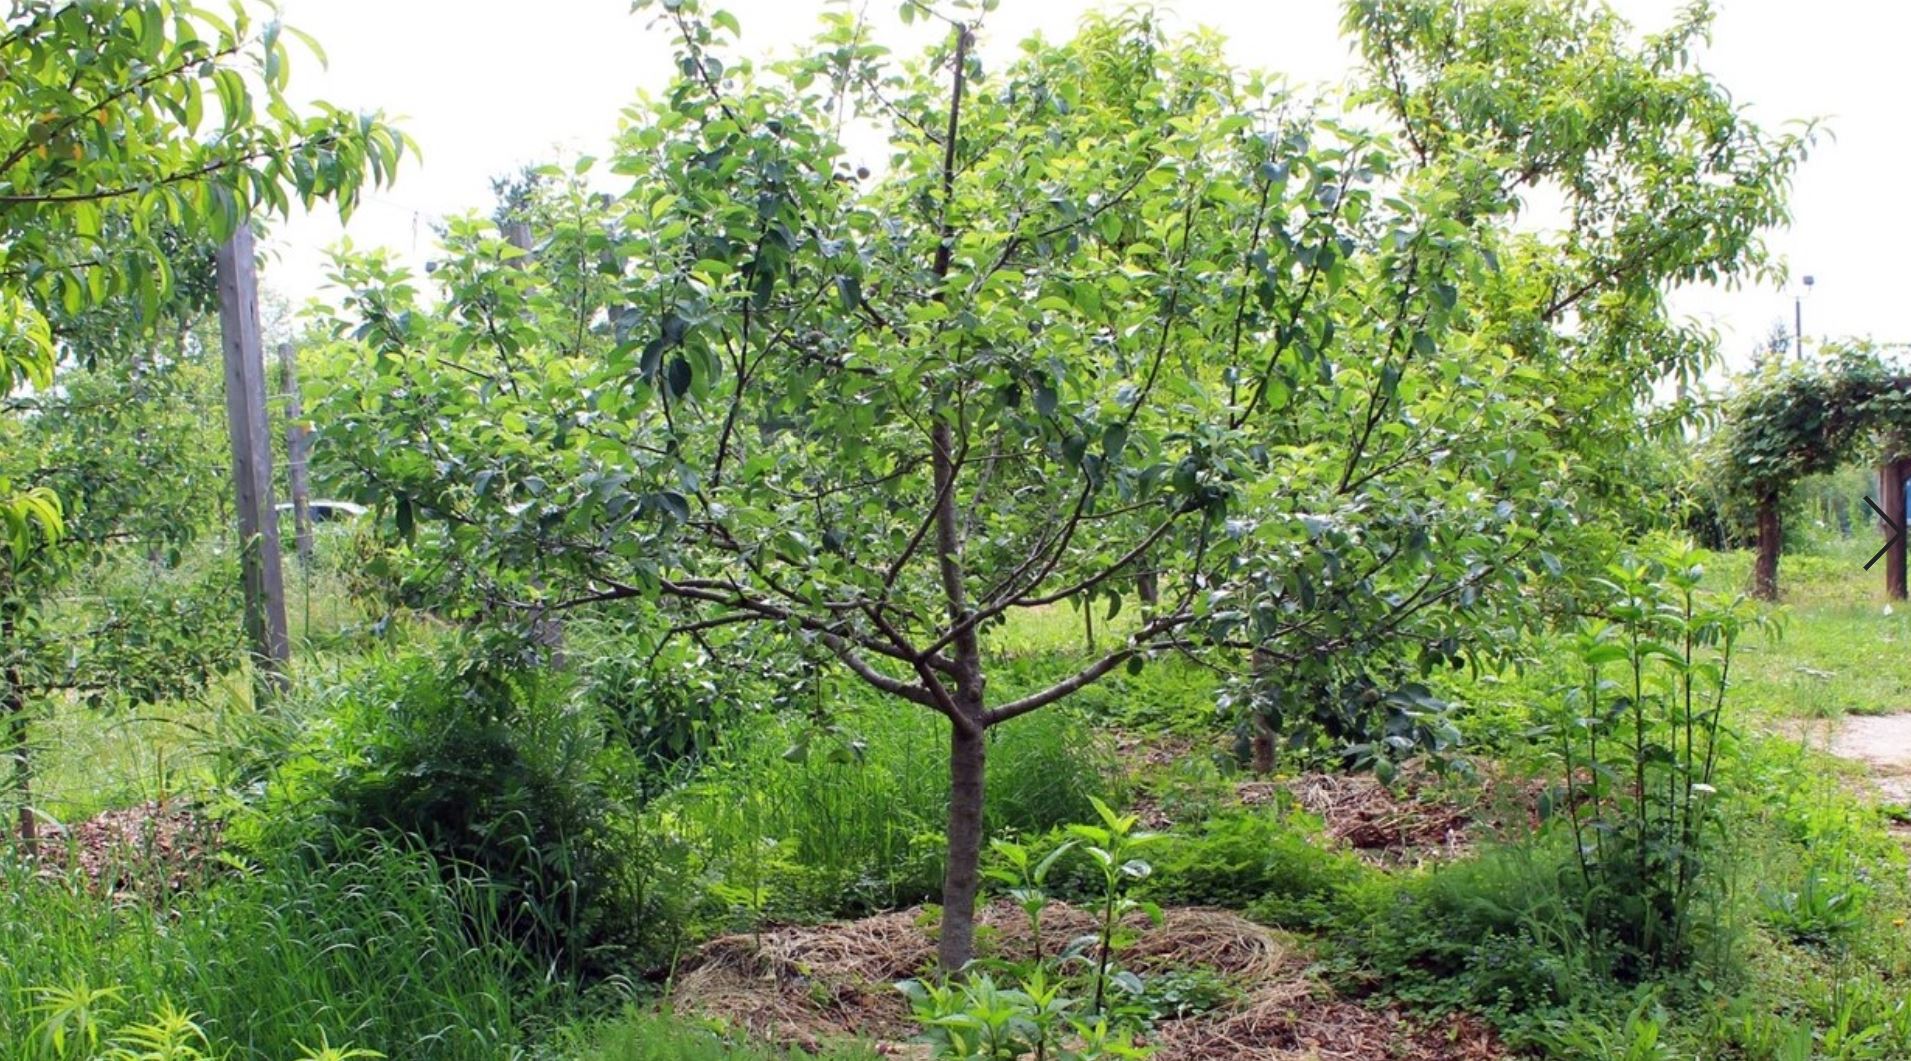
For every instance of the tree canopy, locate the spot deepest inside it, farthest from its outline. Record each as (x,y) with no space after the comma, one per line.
(129,131)
(1795,419)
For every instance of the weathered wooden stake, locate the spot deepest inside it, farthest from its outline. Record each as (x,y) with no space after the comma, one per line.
(518,234)
(238,282)
(298,448)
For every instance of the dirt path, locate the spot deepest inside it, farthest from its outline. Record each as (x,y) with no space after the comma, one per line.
(1881,742)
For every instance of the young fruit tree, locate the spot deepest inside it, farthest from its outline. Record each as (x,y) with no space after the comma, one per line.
(1115,311)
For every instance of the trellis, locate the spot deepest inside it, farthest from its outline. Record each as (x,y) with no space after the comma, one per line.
(1801,420)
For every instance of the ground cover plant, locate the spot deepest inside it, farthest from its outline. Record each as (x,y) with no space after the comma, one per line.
(1164,564)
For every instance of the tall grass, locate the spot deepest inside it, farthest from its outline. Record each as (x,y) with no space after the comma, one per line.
(800,824)
(372,949)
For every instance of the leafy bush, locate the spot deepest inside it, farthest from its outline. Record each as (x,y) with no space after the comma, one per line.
(1500,932)
(1180,993)
(496,772)
(1826,902)
(1273,866)
(670,710)
(1636,743)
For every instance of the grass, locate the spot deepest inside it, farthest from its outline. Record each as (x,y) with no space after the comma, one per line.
(87,760)
(644,1035)
(1843,649)
(371,949)
(788,819)
(804,824)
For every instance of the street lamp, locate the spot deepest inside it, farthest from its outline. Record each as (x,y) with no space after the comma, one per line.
(1798,319)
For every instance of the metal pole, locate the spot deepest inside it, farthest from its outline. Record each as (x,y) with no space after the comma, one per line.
(297,442)
(1798,326)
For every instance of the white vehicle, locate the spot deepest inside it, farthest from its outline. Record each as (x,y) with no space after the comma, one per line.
(326,511)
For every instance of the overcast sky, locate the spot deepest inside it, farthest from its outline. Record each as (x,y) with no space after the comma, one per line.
(488,85)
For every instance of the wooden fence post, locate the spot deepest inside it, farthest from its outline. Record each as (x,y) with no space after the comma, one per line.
(298,448)
(1891,477)
(258,519)
(518,234)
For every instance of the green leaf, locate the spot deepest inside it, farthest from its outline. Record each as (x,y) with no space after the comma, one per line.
(677,382)
(850,290)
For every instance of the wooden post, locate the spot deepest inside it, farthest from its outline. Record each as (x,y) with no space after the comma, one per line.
(1147,585)
(1891,481)
(1770,539)
(518,234)
(298,448)
(13,698)
(258,520)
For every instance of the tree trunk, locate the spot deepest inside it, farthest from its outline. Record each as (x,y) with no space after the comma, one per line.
(963,878)
(1770,535)
(1262,745)
(22,764)
(297,456)
(1261,739)
(1147,585)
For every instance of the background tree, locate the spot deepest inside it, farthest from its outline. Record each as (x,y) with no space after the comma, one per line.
(1647,176)
(133,135)
(124,120)
(1792,420)
(1117,304)
(135,448)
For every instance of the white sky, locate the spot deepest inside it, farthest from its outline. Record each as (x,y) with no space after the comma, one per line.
(487,85)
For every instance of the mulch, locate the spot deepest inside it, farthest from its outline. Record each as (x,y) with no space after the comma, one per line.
(133,852)
(1372,818)
(1417,819)
(807,986)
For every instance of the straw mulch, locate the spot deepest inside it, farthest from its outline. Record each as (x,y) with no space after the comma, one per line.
(1370,817)
(809,985)
(1290,1022)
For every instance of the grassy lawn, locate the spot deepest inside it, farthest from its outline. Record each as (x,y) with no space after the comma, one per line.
(1841,647)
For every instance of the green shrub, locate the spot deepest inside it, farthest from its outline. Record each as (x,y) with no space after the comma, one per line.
(500,774)
(1636,742)
(1501,932)
(669,706)
(1271,865)
(1826,902)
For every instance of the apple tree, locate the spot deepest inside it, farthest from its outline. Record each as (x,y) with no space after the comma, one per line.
(1114,310)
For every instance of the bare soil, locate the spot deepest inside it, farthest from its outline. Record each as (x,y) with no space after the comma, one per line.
(1883,744)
